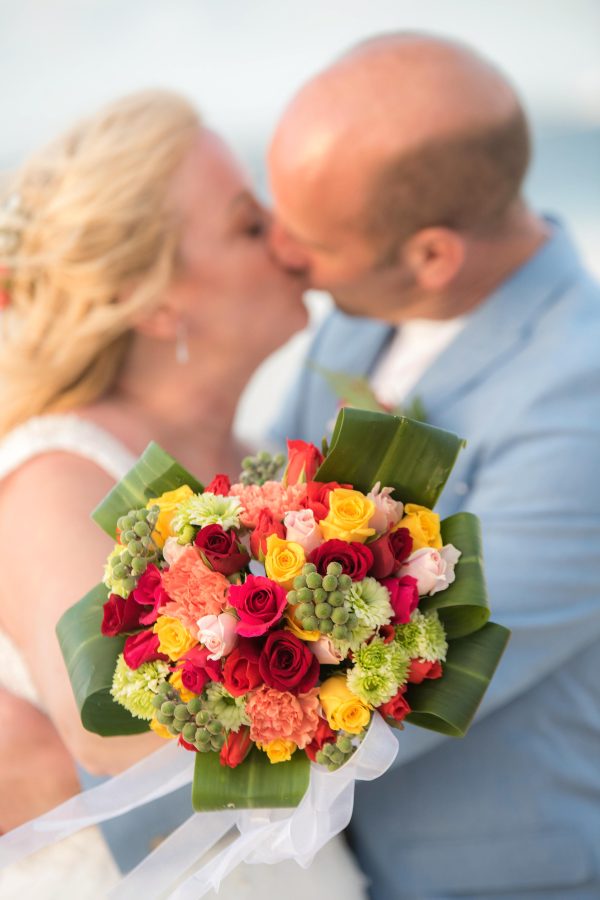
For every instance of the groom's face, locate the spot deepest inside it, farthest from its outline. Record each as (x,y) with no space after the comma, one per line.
(319,229)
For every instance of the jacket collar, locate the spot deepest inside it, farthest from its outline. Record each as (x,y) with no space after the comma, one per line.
(499,325)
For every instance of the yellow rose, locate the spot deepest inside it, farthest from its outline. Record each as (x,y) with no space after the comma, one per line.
(279,750)
(168,503)
(284,560)
(160,729)
(424,526)
(344,710)
(348,518)
(179,686)
(173,638)
(292,625)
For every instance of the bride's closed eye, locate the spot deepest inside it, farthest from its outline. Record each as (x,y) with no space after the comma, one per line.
(248,218)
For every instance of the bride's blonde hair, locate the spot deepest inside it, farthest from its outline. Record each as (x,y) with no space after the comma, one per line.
(87,244)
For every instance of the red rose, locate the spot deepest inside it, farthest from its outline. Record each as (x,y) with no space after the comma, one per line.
(402,544)
(421,669)
(355,559)
(198,669)
(404,597)
(240,673)
(324,735)
(387,633)
(220,550)
(389,552)
(150,593)
(236,747)
(317,496)
(397,708)
(141,648)
(259,603)
(384,563)
(287,664)
(303,461)
(120,615)
(265,526)
(219,485)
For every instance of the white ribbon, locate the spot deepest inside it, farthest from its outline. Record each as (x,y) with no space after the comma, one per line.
(162,772)
(265,836)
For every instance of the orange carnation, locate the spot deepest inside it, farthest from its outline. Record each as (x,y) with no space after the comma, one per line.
(279,715)
(271,495)
(194,590)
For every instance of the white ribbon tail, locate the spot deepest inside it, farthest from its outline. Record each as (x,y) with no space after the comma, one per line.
(156,775)
(265,836)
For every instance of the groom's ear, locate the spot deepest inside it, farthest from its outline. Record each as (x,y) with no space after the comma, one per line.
(435,256)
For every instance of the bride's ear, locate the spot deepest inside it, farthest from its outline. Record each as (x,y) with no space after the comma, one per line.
(161,324)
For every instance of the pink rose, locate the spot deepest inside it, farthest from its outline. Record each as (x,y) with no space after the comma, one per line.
(388,511)
(325,652)
(173,550)
(404,597)
(300,527)
(218,634)
(433,569)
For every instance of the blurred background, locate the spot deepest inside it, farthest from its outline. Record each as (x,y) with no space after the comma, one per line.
(241,60)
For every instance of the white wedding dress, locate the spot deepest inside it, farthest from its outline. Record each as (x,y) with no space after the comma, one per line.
(81,866)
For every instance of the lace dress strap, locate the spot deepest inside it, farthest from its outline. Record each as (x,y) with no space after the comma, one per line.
(44,434)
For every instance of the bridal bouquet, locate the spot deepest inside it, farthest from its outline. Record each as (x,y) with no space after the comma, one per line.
(263,624)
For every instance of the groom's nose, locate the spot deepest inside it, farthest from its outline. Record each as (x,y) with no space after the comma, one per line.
(287,251)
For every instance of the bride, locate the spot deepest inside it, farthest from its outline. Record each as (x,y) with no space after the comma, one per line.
(139,295)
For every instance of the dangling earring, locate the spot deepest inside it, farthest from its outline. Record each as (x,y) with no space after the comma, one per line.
(182,352)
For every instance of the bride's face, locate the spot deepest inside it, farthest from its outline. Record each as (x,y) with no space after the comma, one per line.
(229,289)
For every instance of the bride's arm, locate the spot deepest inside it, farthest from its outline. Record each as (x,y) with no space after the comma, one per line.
(52,554)
(36,769)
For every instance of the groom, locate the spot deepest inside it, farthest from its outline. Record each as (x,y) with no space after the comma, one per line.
(397,176)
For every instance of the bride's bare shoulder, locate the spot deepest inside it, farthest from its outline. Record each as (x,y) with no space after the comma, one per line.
(52,485)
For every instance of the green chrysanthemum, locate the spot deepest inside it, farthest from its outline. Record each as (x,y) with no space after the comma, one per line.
(373,687)
(374,656)
(208,509)
(135,689)
(423,637)
(229,710)
(370,600)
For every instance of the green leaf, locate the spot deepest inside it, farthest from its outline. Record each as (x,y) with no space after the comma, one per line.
(91,659)
(462,607)
(352,390)
(154,473)
(448,704)
(412,457)
(254,784)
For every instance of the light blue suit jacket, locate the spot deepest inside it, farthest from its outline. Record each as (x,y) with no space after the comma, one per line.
(512,810)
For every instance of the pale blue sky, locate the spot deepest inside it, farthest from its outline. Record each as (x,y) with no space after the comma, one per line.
(241,59)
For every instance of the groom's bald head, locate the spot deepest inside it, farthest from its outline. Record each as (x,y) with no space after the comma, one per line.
(404,132)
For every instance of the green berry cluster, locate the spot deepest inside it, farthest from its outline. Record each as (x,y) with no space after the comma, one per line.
(138,547)
(321,601)
(335,754)
(195,724)
(260,468)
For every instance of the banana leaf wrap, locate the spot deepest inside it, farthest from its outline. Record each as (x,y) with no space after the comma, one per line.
(367,446)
